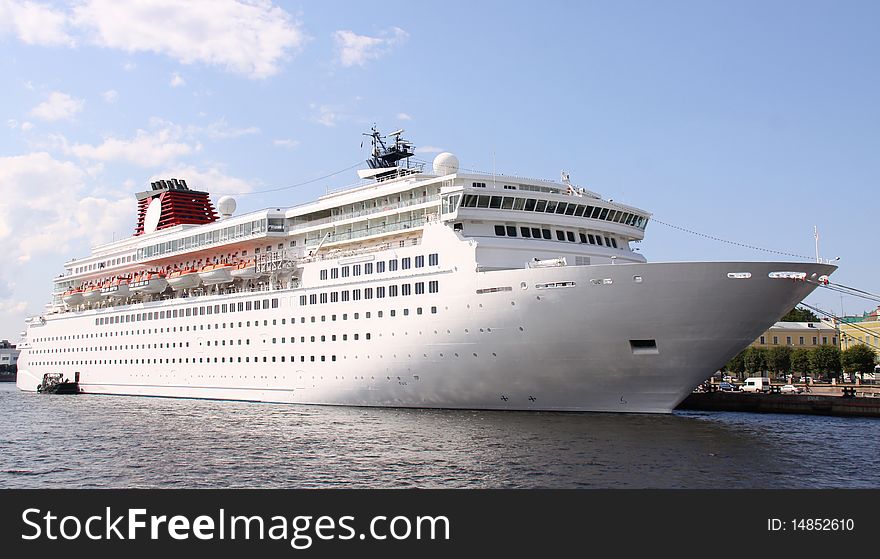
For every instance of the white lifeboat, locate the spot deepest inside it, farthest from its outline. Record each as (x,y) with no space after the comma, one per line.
(246,271)
(116,289)
(92,293)
(187,278)
(149,283)
(72,297)
(214,274)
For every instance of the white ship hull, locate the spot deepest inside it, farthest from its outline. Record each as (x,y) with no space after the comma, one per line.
(581,347)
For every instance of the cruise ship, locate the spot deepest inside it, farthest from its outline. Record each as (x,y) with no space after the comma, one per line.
(425,285)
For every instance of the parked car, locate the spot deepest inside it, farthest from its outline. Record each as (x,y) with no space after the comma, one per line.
(727,387)
(789,389)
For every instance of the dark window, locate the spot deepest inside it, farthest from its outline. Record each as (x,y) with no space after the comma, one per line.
(525,232)
(405,263)
(313,299)
(583,237)
(392,265)
(560,235)
(499,230)
(511,231)
(433,286)
(323,274)
(433,259)
(368,268)
(570,236)
(536,233)
(380,292)
(420,261)
(405,289)
(380,267)
(356,270)
(420,287)
(334,273)
(345,271)
(592,239)
(392,291)
(546,234)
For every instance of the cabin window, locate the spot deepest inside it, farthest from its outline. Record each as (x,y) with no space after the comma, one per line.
(405,263)
(433,259)
(525,232)
(420,261)
(570,236)
(499,230)
(530,204)
(546,234)
(560,235)
(511,231)
(334,273)
(368,268)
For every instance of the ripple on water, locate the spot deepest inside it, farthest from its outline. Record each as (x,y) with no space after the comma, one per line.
(112,441)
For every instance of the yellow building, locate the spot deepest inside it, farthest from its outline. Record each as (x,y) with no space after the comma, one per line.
(798,334)
(867,332)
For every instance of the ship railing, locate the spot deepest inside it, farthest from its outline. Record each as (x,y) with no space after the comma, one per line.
(299,224)
(369,231)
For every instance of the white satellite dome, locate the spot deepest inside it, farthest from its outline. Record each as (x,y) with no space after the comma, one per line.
(226,205)
(445,164)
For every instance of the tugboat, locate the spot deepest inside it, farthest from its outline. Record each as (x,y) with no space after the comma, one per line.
(54,383)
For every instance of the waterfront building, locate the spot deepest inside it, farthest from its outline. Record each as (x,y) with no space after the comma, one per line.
(798,335)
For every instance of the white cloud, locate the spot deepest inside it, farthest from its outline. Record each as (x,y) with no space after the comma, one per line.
(220,130)
(176,80)
(12,123)
(25,126)
(429,149)
(327,115)
(403,116)
(110,96)
(59,106)
(56,210)
(34,23)
(129,66)
(146,149)
(287,143)
(354,49)
(212,180)
(246,37)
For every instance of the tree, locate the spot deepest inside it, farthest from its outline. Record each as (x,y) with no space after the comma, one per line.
(799,314)
(779,359)
(825,360)
(755,360)
(737,364)
(858,359)
(800,361)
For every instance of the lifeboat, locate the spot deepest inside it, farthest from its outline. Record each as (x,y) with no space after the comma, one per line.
(116,289)
(72,297)
(246,270)
(92,293)
(149,283)
(184,279)
(213,274)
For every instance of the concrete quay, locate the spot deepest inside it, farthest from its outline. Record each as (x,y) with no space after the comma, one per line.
(813,403)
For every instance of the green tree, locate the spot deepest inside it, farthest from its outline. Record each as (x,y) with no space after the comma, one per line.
(800,361)
(755,360)
(825,360)
(799,314)
(858,359)
(737,364)
(779,359)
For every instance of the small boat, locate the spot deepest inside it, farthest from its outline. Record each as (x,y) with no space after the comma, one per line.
(116,289)
(92,293)
(72,297)
(246,270)
(214,274)
(187,278)
(55,383)
(149,283)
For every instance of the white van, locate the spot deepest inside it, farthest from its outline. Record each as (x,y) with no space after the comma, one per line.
(756,384)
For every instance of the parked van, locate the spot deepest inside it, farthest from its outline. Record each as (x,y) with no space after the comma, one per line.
(756,384)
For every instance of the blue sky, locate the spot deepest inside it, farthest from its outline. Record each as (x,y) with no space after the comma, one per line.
(750,121)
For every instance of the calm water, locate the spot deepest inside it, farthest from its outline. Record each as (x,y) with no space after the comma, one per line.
(116,441)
